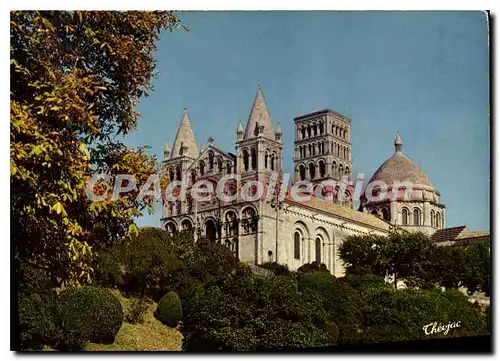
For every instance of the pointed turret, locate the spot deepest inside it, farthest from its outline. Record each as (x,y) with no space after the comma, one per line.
(259,121)
(239,131)
(278,132)
(166,151)
(185,143)
(398,144)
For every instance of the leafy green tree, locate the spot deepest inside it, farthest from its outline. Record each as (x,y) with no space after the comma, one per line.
(477,272)
(76,77)
(407,256)
(363,252)
(449,266)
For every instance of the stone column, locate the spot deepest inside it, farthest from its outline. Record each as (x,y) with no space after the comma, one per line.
(394,212)
(426,221)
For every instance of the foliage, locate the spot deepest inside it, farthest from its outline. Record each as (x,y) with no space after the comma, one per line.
(137,310)
(39,321)
(169,310)
(90,314)
(277,269)
(363,252)
(251,313)
(311,267)
(150,335)
(400,315)
(141,265)
(76,77)
(477,273)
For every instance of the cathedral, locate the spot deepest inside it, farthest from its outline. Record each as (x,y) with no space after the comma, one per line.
(285,229)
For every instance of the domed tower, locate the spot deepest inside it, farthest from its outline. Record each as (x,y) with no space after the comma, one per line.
(400,193)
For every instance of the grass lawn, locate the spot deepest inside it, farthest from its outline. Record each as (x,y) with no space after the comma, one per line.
(151,335)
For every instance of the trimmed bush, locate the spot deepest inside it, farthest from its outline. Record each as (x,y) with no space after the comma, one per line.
(90,314)
(169,310)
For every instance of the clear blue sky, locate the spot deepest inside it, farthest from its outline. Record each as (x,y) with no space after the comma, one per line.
(423,73)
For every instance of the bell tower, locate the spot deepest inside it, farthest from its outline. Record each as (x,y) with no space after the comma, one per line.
(322,147)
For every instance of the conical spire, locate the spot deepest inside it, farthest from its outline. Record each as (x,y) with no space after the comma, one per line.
(398,144)
(185,143)
(278,128)
(166,151)
(259,121)
(240,127)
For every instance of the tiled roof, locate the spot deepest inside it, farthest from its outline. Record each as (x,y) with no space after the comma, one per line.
(447,234)
(344,212)
(400,168)
(472,234)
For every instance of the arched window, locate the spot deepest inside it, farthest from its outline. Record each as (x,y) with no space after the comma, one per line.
(249,220)
(302,172)
(309,132)
(210,160)
(321,128)
(432,218)
(347,197)
(273,161)
(178,173)
(266,159)
(254,159)
(210,230)
(246,159)
(341,170)
(374,212)
(318,250)
(345,153)
(171,174)
(193,176)
(312,170)
(202,168)
(170,227)
(346,170)
(416,217)
(220,166)
(296,245)
(314,149)
(186,225)
(228,168)
(322,169)
(303,131)
(338,150)
(231,224)
(386,215)
(404,214)
(438,220)
(334,170)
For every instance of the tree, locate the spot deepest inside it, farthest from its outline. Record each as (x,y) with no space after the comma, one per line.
(359,252)
(76,77)
(408,256)
(477,272)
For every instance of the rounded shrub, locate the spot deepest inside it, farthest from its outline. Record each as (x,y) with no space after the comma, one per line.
(169,310)
(90,314)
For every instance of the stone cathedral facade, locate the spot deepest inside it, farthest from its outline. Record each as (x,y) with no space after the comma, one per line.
(289,231)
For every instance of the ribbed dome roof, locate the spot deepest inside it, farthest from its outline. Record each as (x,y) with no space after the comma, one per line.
(400,168)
